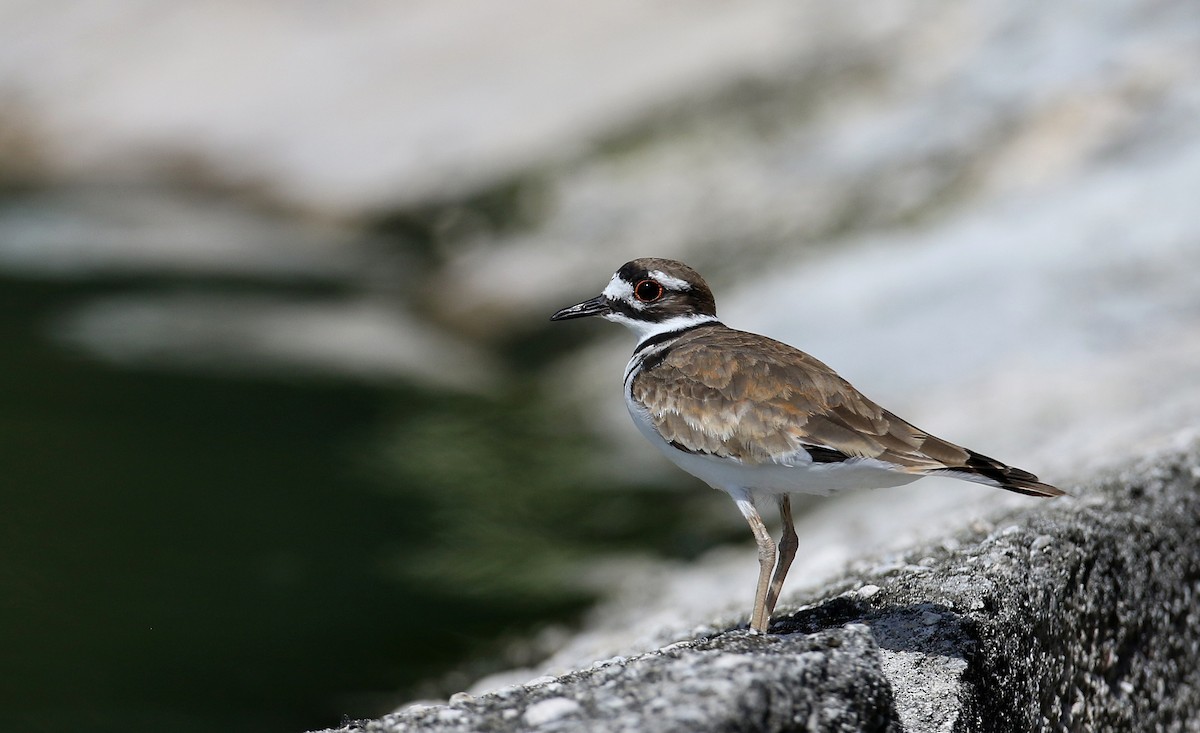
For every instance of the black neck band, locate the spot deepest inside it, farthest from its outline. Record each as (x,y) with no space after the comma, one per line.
(659,338)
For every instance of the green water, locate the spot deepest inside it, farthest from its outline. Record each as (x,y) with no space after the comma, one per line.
(195,553)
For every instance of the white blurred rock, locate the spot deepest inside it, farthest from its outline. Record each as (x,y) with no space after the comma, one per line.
(226,333)
(98,231)
(358,106)
(939,112)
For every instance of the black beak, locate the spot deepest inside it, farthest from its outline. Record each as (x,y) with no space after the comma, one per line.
(595,307)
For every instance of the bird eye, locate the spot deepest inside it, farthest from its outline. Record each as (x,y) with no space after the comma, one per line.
(647,291)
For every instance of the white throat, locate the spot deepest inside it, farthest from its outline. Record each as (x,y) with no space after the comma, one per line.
(649,329)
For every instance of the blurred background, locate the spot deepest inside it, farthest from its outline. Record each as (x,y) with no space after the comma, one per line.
(285,435)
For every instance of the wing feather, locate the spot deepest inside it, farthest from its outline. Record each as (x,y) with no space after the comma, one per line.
(770,401)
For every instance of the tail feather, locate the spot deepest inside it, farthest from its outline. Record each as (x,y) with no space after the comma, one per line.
(984,470)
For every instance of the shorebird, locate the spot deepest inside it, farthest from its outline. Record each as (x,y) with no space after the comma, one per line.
(759,419)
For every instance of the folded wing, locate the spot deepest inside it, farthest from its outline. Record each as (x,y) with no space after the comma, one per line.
(776,404)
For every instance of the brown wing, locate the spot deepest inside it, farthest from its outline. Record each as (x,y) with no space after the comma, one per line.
(768,402)
(734,394)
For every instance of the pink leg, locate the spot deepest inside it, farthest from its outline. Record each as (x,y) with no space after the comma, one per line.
(788,542)
(761,617)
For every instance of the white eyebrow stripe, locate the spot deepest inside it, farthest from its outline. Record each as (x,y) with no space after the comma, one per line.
(668,281)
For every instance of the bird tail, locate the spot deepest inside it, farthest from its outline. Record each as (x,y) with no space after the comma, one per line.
(981,469)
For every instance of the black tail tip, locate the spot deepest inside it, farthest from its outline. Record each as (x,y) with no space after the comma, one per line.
(1010,478)
(1034,488)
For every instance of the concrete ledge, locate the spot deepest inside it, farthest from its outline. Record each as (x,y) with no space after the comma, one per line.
(1079,614)
(829,680)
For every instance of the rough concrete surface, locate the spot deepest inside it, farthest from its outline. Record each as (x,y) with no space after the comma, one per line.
(1079,614)
(830,680)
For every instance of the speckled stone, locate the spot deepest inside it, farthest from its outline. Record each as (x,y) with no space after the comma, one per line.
(1082,614)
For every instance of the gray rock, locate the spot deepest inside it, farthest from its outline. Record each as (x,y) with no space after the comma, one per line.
(1079,614)
(735,681)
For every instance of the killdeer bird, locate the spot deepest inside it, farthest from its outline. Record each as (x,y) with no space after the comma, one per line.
(759,419)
